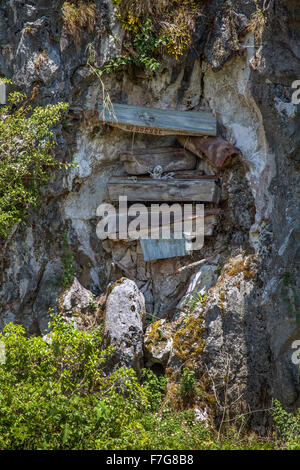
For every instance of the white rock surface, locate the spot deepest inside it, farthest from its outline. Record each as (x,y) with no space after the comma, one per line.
(124,317)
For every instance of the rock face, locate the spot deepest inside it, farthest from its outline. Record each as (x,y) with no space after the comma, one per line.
(250,317)
(76,299)
(79,306)
(124,318)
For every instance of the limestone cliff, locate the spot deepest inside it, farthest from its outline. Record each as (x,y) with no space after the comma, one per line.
(239,69)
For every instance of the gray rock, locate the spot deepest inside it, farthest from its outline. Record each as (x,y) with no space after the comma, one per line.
(124,318)
(76,298)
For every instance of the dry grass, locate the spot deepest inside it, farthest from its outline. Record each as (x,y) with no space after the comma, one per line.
(78,15)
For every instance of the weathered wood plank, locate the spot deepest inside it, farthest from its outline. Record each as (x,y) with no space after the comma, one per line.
(158,121)
(171,190)
(142,161)
(210,220)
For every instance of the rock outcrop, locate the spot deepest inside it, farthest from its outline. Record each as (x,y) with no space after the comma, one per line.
(124,318)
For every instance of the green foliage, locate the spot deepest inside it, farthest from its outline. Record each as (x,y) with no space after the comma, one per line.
(156,385)
(146,46)
(93,302)
(144,49)
(5,80)
(151,29)
(54,394)
(26,143)
(67,261)
(287,426)
(195,298)
(187,382)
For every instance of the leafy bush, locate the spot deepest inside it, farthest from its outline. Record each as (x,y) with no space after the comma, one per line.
(151,29)
(287,426)
(26,143)
(155,385)
(187,382)
(55,395)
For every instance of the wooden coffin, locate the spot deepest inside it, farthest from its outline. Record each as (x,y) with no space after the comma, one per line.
(201,189)
(158,121)
(154,225)
(218,151)
(2,93)
(142,161)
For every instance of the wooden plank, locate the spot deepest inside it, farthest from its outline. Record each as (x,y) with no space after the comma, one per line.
(210,220)
(158,121)
(142,161)
(2,93)
(171,190)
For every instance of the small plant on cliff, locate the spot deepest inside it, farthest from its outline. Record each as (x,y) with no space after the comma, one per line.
(195,298)
(151,30)
(171,23)
(67,262)
(26,144)
(93,302)
(78,14)
(187,382)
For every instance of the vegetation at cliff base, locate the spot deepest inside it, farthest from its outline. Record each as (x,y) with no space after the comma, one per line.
(56,393)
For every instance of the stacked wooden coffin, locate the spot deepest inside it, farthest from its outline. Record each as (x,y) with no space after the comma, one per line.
(169,174)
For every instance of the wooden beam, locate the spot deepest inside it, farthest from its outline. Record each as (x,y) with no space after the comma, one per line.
(142,161)
(158,121)
(210,220)
(202,189)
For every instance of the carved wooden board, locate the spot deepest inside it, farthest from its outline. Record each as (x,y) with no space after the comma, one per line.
(202,189)
(140,162)
(158,121)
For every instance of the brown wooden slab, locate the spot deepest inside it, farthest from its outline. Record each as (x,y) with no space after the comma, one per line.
(210,220)
(142,161)
(202,189)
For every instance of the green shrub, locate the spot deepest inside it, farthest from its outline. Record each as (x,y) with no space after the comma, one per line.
(155,385)
(187,382)
(287,426)
(26,143)
(55,395)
